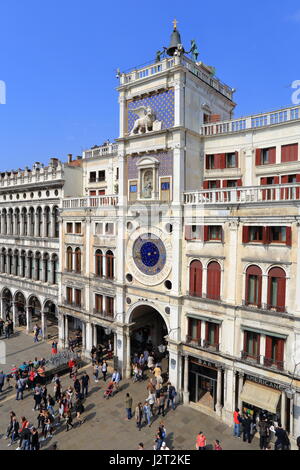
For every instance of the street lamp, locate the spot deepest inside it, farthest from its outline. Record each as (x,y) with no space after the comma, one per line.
(290,391)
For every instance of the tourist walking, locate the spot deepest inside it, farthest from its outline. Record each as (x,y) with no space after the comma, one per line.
(37,396)
(264,433)
(282,441)
(2,380)
(128,405)
(147,413)
(201,441)
(116,379)
(14,431)
(79,408)
(20,387)
(171,395)
(237,423)
(104,370)
(10,426)
(35,443)
(96,372)
(139,415)
(69,420)
(85,384)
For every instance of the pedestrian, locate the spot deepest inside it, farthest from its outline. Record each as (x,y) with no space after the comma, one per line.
(61,409)
(25,439)
(2,380)
(7,330)
(147,413)
(246,424)
(217,445)
(10,426)
(57,388)
(104,370)
(79,408)
(237,423)
(20,387)
(116,379)
(69,420)
(282,442)
(151,400)
(171,395)
(37,396)
(150,362)
(50,404)
(85,384)
(24,435)
(34,442)
(161,403)
(14,431)
(96,372)
(128,405)
(157,370)
(264,433)
(164,446)
(139,415)
(41,419)
(44,395)
(71,364)
(54,347)
(36,330)
(201,441)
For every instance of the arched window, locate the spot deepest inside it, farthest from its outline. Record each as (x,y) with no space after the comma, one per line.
(47,222)
(99,263)
(31,222)
(196,278)
(11,221)
(10,261)
(46,267)
(4,228)
(54,268)
(3,261)
(109,264)
(213,281)
(18,222)
(23,263)
(38,266)
(78,260)
(69,259)
(39,221)
(276,289)
(16,263)
(30,265)
(253,286)
(56,221)
(24,222)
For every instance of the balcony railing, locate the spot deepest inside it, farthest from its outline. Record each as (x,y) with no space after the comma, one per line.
(90,201)
(72,304)
(244,195)
(101,151)
(97,180)
(251,122)
(105,315)
(262,360)
(202,343)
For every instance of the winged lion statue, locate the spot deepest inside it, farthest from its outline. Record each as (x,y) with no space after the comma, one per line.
(144,123)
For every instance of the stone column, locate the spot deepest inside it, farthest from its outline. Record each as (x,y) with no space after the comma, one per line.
(1,309)
(264,289)
(241,383)
(61,331)
(44,224)
(83,331)
(128,356)
(94,335)
(36,223)
(219,393)
(283,409)
(186,393)
(66,331)
(115,343)
(28,320)
(292,416)
(14,314)
(89,339)
(44,324)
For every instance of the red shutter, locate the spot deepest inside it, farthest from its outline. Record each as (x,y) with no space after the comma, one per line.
(240,182)
(280,350)
(281,294)
(284,192)
(266,235)
(222,161)
(224,183)
(198,329)
(245,341)
(237,159)
(268,352)
(207,162)
(245,234)
(218,183)
(284,179)
(289,153)
(217,334)
(276,179)
(272,155)
(297,189)
(188,232)
(263,181)
(205,184)
(288,236)
(213,280)
(257,157)
(205,234)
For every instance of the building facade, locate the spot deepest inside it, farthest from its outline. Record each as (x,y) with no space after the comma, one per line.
(188,228)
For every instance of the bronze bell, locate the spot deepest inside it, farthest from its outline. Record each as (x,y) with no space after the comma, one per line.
(175,40)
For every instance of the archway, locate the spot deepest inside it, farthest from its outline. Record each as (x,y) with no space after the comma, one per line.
(7,304)
(35,309)
(51,320)
(147,332)
(20,309)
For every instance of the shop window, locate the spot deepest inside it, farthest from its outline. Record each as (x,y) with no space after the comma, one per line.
(276,289)
(274,352)
(213,281)
(195,279)
(253,286)
(194,329)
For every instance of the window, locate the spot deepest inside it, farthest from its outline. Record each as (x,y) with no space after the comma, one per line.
(210,162)
(117,173)
(92,177)
(274,352)
(213,281)
(109,265)
(276,289)
(267,235)
(99,303)
(101,175)
(110,306)
(232,183)
(77,227)
(69,227)
(194,329)
(253,286)
(256,234)
(251,345)
(266,156)
(231,160)
(289,153)
(216,161)
(133,188)
(196,279)
(277,234)
(99,263)
(211,334)
(78,297)
(69,295)
(69,259)
(213,233)
(98,228)
(77,260)
(109,229)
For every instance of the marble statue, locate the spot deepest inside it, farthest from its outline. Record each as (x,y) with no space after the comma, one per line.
(147,189)
(145,121)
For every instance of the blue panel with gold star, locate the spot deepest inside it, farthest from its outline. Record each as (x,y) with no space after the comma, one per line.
(161,103)
(149,254)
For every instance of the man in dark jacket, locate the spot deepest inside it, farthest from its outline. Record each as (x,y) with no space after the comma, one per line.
(85,384)
(264,433)
(282,441)
(246,423)
(171,395)
(2,380)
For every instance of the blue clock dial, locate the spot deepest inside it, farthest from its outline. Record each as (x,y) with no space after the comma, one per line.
(149,254)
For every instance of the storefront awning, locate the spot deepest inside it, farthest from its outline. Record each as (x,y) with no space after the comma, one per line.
(258,395)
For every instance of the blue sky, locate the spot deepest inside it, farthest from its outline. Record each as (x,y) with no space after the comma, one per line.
(58,60)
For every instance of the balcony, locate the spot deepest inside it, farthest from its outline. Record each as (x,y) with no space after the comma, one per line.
(104,315)
(202,344)
(101,151)
(244,195)
(250,357)
(72,304)
(253,122)
(90,201)
(262,361)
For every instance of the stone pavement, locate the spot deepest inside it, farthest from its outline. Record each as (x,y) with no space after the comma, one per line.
(106,426)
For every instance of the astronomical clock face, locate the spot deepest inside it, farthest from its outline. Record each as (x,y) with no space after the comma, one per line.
(149,256)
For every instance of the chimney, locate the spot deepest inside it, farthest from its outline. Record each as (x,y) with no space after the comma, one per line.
(69,157)
(79,157)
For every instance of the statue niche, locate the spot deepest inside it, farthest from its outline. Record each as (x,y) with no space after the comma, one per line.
(148,184)
(145,121)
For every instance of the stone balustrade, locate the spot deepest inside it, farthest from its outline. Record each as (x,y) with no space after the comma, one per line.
(90,201)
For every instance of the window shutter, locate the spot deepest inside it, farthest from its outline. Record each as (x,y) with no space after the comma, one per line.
(218,182)
(192,279)
(263,181)
(188,232)
(198,279)
(259,290)
(205,237)
(189,327)
(276,179)
(289,236)
(272,155)
(240,182)
(298,178)
(268,352)
(281,294)
(224,183)
(266,235)
(207,162)
(289,153)
(284,179)
(237,159)
(205,184)
(245,234)
(280,350)
(245,341)
(222,161)
(217,334)
(198,329)
(257,157)
(206,330)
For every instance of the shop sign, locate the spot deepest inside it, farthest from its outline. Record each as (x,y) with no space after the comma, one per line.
(205,363)
(265,382)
